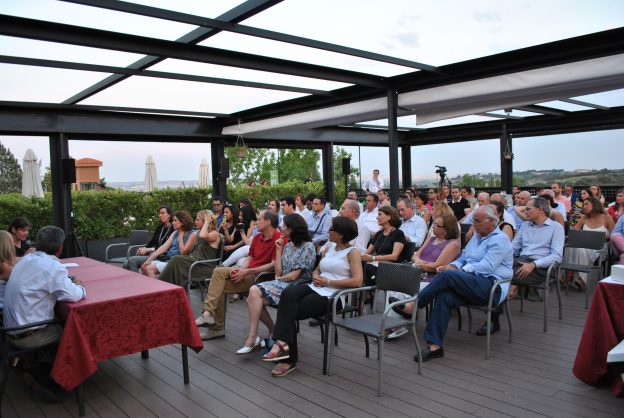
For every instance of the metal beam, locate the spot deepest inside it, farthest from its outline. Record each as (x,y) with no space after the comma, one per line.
(586,104)
(78,35)
(155,74)
(393,150)
(543,110)
(248,30)
(237,14)
(327,156)
(219,181)
(506,161)
(406,166)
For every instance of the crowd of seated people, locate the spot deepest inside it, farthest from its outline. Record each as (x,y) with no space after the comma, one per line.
(518,239)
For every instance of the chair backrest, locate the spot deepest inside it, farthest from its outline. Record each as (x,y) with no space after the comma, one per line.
(221,247)
(593,240)
(139,237)
(404,278)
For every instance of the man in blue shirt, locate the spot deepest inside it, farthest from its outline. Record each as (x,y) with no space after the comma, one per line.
(319,222)
(486,259)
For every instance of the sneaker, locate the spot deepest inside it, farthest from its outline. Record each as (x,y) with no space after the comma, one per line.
(396,333)
(205,320)
(211,334)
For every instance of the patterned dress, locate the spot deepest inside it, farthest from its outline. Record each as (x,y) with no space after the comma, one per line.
(293,258)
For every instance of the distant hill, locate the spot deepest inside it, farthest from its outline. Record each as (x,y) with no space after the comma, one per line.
(603,177)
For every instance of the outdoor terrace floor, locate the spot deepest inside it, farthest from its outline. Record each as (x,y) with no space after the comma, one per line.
(532,377)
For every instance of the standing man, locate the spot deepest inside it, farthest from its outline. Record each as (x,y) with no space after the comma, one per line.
(374,184)
(37,282)
(414,227)
(217,209)
(369,216)
(488,257)
(318,224)
(560,198)
(225,280)
(458,204)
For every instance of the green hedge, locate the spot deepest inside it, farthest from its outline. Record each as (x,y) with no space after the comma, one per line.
(113,213)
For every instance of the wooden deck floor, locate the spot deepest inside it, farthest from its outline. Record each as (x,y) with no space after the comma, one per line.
(530,377)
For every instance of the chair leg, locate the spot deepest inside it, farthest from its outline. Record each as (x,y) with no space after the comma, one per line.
(521,291)
(469,320)
(412,330)
(459,319)
(367,345)
(6,369)
(546,306)
(488,336)
(326,343)
(330,348)
(81,402)
(506,308)
(380,349)
(558,295)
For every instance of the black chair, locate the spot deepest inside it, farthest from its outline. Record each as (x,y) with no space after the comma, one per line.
(491,305)
(464,228)
(552,278)
(593,240)
(138,238)
(403,278)
(10,353)
(408,251)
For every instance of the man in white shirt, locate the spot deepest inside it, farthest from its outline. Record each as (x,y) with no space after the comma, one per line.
(369,216)
(351,209)
(374,184)
(414,227)
(300,207)
(384,199)
(352,194)
(37,282)
(560,198)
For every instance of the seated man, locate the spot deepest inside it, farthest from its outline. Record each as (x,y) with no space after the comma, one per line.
(486,259)
(369,216)
(319,222)
(261,258)
(413,226)
(37,282)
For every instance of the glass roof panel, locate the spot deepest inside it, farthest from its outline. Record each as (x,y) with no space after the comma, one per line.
(95,17)
(439,32)
(410,122)
(185,95)
(53,51)
(613,98)
(209,70)
(570,107)
(515,112)
(37,84)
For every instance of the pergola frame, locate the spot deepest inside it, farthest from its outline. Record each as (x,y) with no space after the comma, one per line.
(71,120)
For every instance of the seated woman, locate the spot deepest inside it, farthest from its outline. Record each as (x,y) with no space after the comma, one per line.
(439,250)
(616,210)
(502,225)
(246,229)
(19,229)
(207,246)
(340,268)
(161,235)
(7,261)
(421,207)
(577,206)
(594,218)
(387,244)
(293,261)
(180,242)
(228,230)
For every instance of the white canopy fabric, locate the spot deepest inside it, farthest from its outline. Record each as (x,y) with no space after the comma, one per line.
(461,99)
(150,175)
(203,174)
(31,176)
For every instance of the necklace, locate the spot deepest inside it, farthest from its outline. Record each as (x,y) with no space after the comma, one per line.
(384,241)
(437,241)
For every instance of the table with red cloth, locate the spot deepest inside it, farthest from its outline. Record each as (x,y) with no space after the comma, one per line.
(604,329)
(122,313)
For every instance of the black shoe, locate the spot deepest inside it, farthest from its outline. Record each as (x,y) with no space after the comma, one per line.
(534,296)
(427,354)
(483,330)
(314,322)
(399,308)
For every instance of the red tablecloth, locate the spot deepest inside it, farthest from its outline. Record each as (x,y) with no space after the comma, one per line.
(604,329)
(123,313)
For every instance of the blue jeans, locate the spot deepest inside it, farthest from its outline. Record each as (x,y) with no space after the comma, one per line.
(452,289)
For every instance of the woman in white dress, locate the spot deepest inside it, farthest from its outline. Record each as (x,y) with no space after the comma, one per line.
(593,218)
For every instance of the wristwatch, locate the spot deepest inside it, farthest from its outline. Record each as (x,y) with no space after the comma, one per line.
(374,258)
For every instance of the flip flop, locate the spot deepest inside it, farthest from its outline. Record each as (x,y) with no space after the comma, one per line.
(282,354)
(282,369)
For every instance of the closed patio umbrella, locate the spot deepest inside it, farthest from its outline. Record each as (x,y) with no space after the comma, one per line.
(31,178)
(203,174)
(150,175)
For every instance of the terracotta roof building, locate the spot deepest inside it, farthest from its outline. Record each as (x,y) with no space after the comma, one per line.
(87,174)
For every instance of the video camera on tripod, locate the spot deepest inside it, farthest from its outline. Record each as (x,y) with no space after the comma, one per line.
(441,171)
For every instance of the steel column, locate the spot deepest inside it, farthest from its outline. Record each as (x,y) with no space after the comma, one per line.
(219,182)
(393,150)
(506,159)
(328,170)
(406,166)
(61,193)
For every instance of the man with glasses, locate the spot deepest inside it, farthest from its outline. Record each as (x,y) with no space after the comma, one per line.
(217,209)
(226,280)
(487,258)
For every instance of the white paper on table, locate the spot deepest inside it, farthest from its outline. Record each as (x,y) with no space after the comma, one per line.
(71,265)
(613,281)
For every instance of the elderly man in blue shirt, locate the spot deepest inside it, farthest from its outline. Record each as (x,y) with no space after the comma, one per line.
(486,259)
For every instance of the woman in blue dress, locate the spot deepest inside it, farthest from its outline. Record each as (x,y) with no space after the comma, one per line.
(294,261)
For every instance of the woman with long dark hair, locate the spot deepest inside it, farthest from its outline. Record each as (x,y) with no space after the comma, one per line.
(294,261)
(19,229)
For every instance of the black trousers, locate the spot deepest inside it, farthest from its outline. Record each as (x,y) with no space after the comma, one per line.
(296,302)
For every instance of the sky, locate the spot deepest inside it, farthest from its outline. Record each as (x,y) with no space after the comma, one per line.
(434,33)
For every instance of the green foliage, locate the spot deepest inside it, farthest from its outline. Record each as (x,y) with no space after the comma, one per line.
(260,196)
(10,172)
(254,167)
(46,182)
(36,209)
(298,165)
(339,154)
